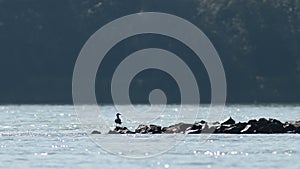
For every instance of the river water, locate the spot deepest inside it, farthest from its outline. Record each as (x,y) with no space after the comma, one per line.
(50,136)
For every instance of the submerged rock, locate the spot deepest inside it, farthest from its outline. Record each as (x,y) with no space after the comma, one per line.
(96,132)
(113,132)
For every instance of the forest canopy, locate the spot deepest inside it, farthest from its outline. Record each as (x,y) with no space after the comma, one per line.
(258,42)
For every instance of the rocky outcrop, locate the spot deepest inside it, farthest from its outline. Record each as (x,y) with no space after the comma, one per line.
(260,126)
(144,129)
(121,130)
(230,121)
(177,128)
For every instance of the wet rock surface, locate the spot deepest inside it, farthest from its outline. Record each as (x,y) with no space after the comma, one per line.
(260,126)
(121,130)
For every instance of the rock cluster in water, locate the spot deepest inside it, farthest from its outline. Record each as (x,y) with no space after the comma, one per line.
(260,126)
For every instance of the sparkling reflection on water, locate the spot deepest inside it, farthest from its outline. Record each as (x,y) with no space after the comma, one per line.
(35,136)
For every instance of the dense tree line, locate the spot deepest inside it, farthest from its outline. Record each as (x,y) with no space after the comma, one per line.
(258,42)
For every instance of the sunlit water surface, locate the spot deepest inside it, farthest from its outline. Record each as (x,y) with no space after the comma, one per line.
(44,136)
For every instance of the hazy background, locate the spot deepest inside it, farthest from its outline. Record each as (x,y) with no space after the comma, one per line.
(258,42)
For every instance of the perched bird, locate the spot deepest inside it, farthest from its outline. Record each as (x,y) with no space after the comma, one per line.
(118,120)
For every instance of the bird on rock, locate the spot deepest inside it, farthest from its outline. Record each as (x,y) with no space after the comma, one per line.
(118,120)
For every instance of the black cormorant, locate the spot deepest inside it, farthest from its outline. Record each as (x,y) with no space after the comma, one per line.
(118,120)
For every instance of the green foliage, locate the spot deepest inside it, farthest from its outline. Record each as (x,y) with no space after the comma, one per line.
(258,42)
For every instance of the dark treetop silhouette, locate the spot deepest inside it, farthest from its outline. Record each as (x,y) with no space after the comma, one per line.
(258,43)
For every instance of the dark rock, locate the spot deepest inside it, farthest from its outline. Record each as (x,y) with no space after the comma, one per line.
(247,129)
(236,128)
(221,129)
(275,121)
(96,132)
(177,128)
(231,129)
(289,128)
(195,128)
(113,132)
(276,126)
(209,129)
(262,122)
(154,129)
(257,126)
(254,126)
(264,130)
(253,122)
(122,130)
(142,129)
(296,124)
(230,121)
(229,126)
(193,132)
(297,130)
(263,126)
(203,122)
(216,123)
